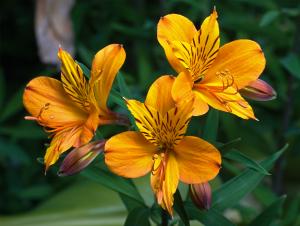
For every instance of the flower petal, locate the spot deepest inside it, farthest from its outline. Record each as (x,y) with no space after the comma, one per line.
(73,80)
(229,101)
(170,183)
(164,181)
(46,100)
(106,64)
(159,94)
(182,90)
(240,61)
(147,119)
(129,154)
(198,160)
(174,27)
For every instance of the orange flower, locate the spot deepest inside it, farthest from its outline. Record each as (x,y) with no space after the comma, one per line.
(161,147)
(72,109)
(209,74)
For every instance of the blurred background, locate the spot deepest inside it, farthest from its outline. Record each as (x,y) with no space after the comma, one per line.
(30,33)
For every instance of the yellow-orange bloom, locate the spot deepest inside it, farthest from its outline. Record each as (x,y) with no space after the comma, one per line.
(160,146)
(208,74)
(72,109)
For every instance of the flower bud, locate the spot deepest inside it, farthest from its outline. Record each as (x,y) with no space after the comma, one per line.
(80,157)
(201,195)
(259,90)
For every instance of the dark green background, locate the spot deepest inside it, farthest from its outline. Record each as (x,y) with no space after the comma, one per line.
(275,25)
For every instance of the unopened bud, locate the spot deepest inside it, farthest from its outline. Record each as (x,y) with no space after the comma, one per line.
(259,90)
(80,157)
(201,195)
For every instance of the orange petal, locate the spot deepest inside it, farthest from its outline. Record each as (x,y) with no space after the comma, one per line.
(182,90)
(159,94)
(229,101)
(129,154)
(46,100)
(106,64)
(198,160)
(73,80)
(239,62)
(182,87)
(170,183)
(64,140)
(164,180)
(174,27)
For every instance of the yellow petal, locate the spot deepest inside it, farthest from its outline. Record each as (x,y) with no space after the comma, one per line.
(129,154)
(170,183)
(200,106)
(198,161)
(159,94)
(73,80)
(207,42)
(164,181)
(228,100)
(147,119)
(46,100)
(238,63)
(197,56)
(174,27)
(106,64)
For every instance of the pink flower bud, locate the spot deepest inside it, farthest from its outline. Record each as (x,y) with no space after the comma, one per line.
(201,195)
(80,157)
(259,90)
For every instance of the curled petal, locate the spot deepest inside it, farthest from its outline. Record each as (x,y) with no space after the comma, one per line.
(106,64)
(79,158)
(259,90)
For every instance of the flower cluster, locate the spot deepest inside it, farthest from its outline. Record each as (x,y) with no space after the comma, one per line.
(71,110)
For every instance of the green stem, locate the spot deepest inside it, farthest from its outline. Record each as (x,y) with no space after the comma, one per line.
(164,217)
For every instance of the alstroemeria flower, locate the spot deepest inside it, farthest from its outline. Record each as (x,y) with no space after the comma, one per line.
(209,74)
(71,109)
(160,146)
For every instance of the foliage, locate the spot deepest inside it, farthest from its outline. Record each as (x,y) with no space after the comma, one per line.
(244,177)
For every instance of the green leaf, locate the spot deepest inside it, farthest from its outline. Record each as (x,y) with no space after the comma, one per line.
(179,207)
(211,126)
(269,17)
(124,90)
(208,218)
(138,217)
(117,98)
(235,189)
(13,106)
(242,158)
(2,88)
(85,70)
(114,182)
(269,214)
(292,64)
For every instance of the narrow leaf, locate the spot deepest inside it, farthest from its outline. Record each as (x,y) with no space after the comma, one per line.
(269,17)
(137,217)
(208,218)
(235,189)
(242,158)
(292,64)
(124,90)
(179,207)
(211,126)
(113,182)
(13,106)
(269,214)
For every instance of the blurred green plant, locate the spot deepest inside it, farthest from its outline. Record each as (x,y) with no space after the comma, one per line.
(243,194)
